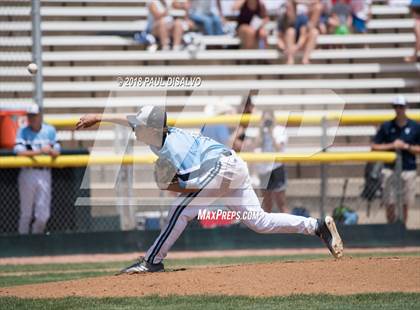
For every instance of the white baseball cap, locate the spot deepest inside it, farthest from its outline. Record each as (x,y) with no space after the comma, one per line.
(33,109)
(399,100)
(148,116)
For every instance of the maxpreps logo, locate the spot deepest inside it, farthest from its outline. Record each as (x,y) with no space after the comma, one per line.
(229,215)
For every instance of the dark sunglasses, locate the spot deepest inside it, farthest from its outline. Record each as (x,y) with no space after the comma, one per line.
(399,107)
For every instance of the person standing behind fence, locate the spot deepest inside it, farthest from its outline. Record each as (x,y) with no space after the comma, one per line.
(37,138)
(273,179)
(403,136)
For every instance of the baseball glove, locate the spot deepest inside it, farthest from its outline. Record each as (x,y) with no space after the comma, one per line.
(165,173)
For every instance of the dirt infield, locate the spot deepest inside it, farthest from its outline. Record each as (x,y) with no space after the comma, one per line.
(98,258)
(346,276)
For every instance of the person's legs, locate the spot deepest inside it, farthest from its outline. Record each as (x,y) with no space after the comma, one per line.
(262,37)
(179,216)
(359,25)
(278,185)
(248,36)
(203,20)
(184,209)
(409,188)
(417,34)
(281,45)
(290,41)
(26,186)
(280,199)
(217,24)
(388,198)
(310,45)
(267,202)
(315,11)
(228,179)
(177,33)
(246,202)
(270,223)
(42,202)
(160,30)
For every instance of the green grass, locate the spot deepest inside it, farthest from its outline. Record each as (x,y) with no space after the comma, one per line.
(6,281)
(63,272)
(361,301)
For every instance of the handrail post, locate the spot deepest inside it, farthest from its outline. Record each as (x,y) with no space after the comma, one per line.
(37,51)
(324,169)
(399,187)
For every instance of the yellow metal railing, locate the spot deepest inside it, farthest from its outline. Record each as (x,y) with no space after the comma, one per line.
(291,119)
(85,160)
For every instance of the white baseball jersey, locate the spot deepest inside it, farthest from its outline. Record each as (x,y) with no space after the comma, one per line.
(35,183)
(228,180)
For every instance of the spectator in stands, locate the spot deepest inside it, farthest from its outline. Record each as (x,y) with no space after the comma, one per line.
(361,14)
(221,132)
(165,27)
(415,9)
(204,14)
(297,26)
(403,136)
(37,138)
(340,21)
(326,6)
(273,179)
(252,20)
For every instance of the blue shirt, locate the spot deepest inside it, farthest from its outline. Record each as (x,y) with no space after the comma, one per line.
(29,140)
(193,155)
(415,3)
(410,134)
(219,133)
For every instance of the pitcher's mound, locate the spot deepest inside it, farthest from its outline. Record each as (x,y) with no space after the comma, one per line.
(346,276)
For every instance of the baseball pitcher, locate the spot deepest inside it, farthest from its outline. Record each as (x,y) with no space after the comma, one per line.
(203,171)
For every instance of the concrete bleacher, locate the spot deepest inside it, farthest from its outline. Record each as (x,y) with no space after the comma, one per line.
(112,40)
(216,70)
(82,63)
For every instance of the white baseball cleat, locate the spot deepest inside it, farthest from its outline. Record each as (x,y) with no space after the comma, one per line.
(328,232)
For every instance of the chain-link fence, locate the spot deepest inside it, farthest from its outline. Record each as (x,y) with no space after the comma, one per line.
(368,193)
(84,201)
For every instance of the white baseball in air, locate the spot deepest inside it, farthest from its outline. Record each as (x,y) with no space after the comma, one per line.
(32,68)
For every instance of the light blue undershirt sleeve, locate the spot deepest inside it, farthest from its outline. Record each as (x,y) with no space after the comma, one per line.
(20,142)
